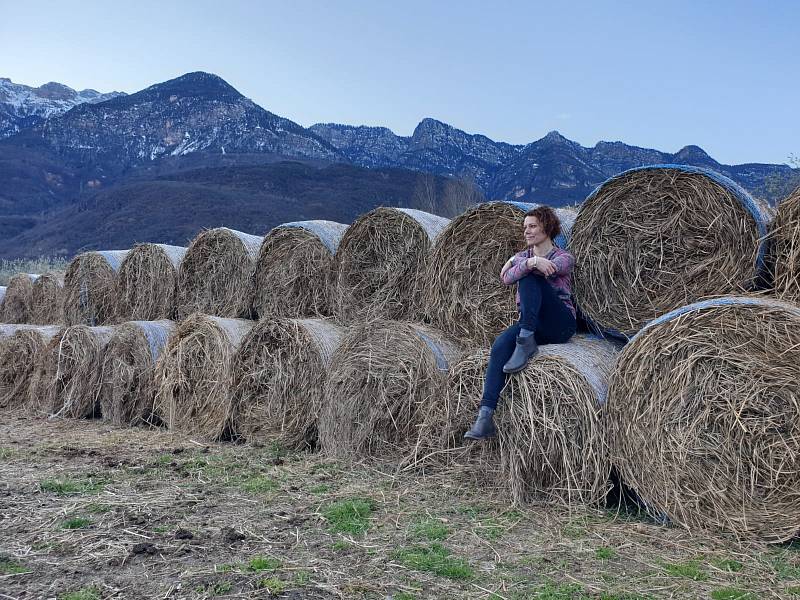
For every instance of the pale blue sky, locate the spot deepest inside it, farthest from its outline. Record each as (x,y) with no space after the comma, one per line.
(723,75)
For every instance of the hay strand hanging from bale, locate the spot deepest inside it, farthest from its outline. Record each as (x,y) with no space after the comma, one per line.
(279,376)
(292,271)
(464,294)
(3,289)
(215,275)
(703,417)
(47,299)
(785,248)
(147,284)
(44,399)
(127,380)
(19,354)
(655,238)
(17,301)
(194,376)
(382,377)
(77,380)
(380,265)
(90,287)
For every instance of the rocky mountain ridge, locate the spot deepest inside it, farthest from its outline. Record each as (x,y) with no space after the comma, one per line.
(24,107)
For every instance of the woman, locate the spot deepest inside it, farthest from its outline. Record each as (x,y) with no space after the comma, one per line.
(543,272)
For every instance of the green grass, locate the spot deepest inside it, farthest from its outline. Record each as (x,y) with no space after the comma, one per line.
(321,488)
(6,453)
(97,508)
(431,530)
(560,591)
(785,566)
(605,553)
(259,484)
(434,559)
(794,590)
(341,545)
(404,596)
(220,588)
(689,569)
(76,523)
(263,563)
(272,585)
(70,487)
(349,516)
(11,567)
(727,564)
(87,593)
(301,578)
(730,593)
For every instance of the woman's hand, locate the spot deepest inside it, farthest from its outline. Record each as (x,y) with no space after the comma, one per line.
(544,266)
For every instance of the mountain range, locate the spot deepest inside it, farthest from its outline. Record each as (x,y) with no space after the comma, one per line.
(65,153)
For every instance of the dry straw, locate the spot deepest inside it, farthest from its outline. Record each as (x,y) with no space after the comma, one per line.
(147,284)
(44,399)
(785,248)
(379,268)
(77,379)
(17,300)
(382,378)
(215,275)
(127,380)
(292,271)
(20,351)
(47,299)
(194,376)
(464,295)
(279,376)
(90,287)
(656,238)
(702,417)
(550,437)
(3,289)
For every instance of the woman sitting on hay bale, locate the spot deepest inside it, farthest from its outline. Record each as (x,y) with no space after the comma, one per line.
(543,272)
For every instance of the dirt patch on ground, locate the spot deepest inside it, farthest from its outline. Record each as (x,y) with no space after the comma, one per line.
(90,511)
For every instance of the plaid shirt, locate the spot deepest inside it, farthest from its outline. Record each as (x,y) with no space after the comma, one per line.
(561,280)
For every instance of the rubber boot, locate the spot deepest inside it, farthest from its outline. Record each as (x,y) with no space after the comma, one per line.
(525,349)
(484,425)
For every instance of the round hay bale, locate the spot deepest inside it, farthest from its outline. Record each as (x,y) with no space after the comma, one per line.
(19,354)
(292,270)
(215,274)
(147,283)
(77,379)
(279,376)
(785,248)
(382,377)
(464,295)
(44,399)
(127,380)
(17,301)
(703,417)
(194,376)
(653,239)
(89,287)
(380,265)
(47,299)
(551,444)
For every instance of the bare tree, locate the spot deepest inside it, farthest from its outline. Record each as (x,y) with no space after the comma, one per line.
(424,197)
(459,195)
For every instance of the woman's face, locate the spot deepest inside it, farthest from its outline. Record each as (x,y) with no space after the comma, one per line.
(534,234)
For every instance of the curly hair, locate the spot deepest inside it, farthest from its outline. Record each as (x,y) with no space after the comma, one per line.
(548,219)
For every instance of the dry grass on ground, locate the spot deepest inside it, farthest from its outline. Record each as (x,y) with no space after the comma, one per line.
(91,511)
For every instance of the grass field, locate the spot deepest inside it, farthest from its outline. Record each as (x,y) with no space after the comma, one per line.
(88,511)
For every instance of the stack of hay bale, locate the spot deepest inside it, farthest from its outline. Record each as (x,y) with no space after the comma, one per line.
(372,339)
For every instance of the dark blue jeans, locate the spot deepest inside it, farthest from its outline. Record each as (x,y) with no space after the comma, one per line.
(541,311)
